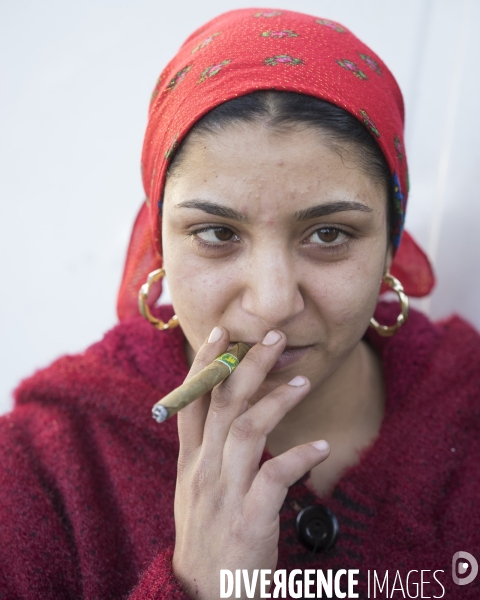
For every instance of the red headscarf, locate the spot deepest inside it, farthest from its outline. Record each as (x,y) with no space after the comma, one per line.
(246,50)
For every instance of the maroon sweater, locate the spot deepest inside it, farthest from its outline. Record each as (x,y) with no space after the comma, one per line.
(87,477)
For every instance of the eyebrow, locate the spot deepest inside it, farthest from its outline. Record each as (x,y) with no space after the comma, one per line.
(214,209)
(328,209)
(313,212)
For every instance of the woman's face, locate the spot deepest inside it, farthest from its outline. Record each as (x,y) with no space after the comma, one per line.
(265,230)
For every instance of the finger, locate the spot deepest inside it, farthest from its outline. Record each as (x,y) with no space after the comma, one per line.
(231,397)
(248,433)
(269,488)
(191,419)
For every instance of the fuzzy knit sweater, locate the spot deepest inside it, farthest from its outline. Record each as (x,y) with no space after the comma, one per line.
(87,477)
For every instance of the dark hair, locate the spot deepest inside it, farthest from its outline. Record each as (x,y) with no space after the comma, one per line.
(283,110)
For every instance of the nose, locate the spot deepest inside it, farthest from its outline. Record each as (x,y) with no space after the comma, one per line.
(272,291)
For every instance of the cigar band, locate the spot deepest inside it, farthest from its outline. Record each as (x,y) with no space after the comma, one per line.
(228,359)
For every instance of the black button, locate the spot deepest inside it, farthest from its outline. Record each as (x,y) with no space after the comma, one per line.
(317,528)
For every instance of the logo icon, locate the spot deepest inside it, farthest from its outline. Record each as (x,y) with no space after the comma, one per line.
(460,568)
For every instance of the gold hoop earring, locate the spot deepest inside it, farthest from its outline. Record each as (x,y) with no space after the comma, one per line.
(388,330)
(143,306)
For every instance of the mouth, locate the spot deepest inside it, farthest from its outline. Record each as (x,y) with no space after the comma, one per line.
(289,356)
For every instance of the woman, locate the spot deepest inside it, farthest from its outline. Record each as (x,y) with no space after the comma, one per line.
(276,186)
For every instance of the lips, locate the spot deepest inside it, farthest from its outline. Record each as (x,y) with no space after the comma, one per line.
(289,356)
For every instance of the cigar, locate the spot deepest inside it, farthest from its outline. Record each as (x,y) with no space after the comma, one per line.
(200,384)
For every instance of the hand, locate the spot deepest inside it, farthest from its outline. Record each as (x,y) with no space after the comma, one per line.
(226,507)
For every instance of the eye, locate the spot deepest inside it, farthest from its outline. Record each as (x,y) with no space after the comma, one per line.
(328,235)
(213,235)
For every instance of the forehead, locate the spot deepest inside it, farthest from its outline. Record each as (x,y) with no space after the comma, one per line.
(252,166)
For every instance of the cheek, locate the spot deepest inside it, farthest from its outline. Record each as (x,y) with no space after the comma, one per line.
(346,297)
(199,294)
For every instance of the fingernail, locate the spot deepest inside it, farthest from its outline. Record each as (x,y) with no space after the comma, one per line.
(298,381)
(216,334)
(271,338)
(322,445)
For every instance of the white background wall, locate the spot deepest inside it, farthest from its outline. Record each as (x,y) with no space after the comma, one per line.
(75,82)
